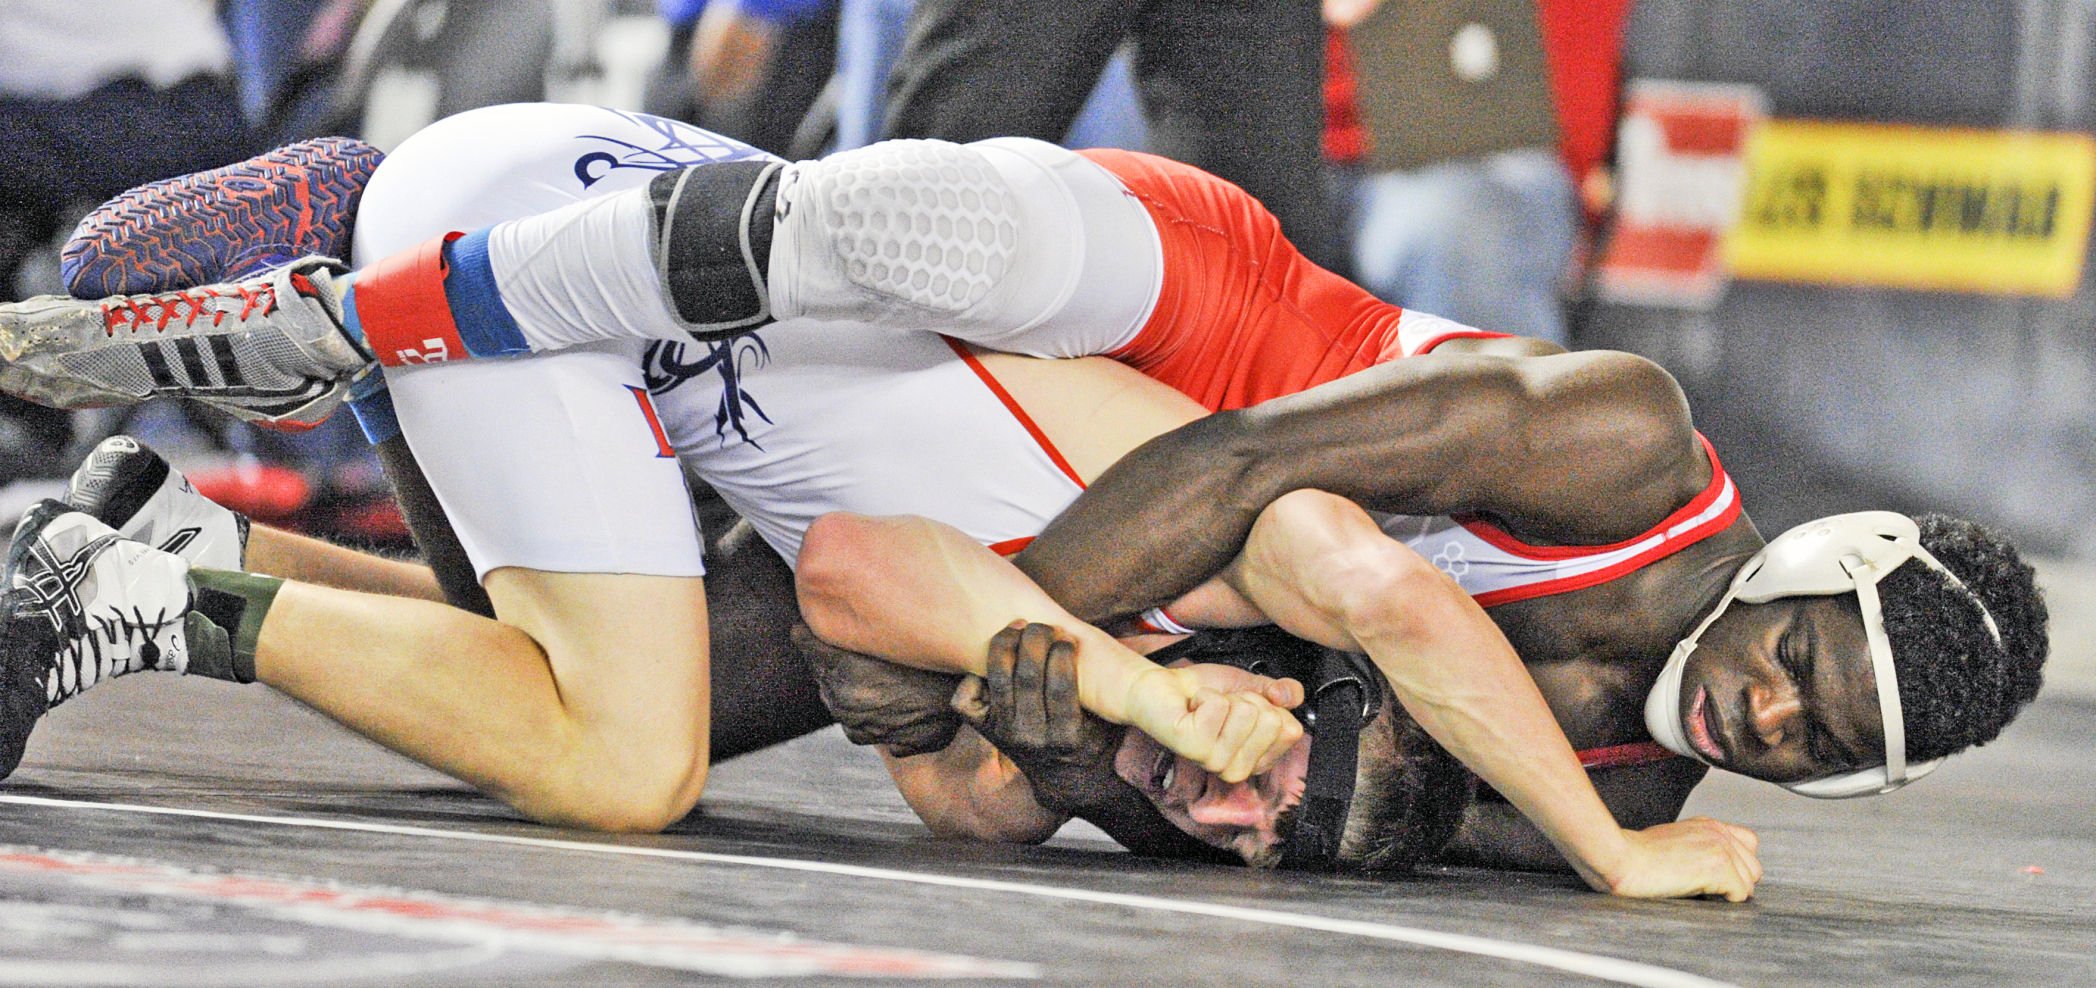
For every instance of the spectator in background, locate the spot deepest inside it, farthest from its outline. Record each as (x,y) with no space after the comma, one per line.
(1457,128)
(1231,87)
(283,51)
(1440,124)
(95,98)
(752,68)
(870,36)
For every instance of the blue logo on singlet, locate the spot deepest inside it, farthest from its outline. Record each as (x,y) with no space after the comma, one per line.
(672,145)
(664,368)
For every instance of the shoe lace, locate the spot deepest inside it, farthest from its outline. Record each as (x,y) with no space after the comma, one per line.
(136,313)
(132,645)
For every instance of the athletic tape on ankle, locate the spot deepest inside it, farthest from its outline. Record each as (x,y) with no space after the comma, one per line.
(237,603)
(434,303)
(400,306)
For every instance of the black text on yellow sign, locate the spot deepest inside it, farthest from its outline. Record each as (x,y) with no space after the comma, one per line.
(1912,207)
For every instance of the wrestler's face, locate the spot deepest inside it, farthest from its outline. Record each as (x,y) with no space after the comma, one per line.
(1783,691)
(1243,817)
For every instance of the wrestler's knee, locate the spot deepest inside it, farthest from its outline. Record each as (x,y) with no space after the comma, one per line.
(986,242)
(631,785)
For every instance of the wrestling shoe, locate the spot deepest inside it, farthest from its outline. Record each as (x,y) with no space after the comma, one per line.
(127,486)
(270,350)
(83,604)
(225,224)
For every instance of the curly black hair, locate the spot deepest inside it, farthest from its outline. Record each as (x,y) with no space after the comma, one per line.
(1957,686)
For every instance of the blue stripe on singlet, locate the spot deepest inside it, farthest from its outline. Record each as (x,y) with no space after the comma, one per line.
(483,321)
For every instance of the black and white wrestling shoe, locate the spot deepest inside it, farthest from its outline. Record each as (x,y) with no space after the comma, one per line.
(82,604)
(130,488)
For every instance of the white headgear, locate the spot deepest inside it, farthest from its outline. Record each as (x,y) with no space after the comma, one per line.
(1842,554)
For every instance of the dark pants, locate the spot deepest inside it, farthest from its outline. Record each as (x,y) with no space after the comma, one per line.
(124,134)
(1232,86)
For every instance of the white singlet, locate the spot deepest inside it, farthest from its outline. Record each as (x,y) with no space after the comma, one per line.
(568,460)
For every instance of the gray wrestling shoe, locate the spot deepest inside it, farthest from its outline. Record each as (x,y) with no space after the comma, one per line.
(127,486)
(82,604)
(270,350)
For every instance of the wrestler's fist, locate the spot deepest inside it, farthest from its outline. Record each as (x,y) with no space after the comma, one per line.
(881,702)
(1235,735)
(1692,857)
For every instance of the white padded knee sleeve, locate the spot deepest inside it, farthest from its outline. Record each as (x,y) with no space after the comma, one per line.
(989,242)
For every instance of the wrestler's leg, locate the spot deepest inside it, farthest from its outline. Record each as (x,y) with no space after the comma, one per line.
(763,691)
(582,708)
(765,695)
(1011,244)
(291,556)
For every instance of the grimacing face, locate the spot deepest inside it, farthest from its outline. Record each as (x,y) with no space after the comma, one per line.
(1247,818)
(1784,691)
(1243,817)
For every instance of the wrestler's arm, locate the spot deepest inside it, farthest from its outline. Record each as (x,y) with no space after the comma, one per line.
(1033,758)
(968,789)
(1320,567)
(1495,835)
(924,594)
(1572,448)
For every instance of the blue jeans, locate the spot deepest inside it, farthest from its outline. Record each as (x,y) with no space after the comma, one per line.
(1483,241)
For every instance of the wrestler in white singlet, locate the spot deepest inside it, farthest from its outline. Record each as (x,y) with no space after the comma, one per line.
(568,460)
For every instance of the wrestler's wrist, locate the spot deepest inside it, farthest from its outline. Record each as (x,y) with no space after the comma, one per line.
(1122,687)
(1604,860)
(1156,700)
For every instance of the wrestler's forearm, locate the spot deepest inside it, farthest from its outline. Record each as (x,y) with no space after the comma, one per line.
(1179,507)
(1424,436)
(923,594)
(969,790)
(1319,566)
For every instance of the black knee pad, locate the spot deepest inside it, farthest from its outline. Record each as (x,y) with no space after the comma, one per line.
(713,244)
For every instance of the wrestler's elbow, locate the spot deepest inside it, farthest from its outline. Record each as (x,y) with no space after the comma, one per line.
(839,554)
(1623,401)
(1245,455)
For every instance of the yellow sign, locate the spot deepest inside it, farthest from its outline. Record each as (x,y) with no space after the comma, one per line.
(1914,207)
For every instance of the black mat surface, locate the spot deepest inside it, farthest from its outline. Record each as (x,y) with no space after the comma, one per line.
(170,832)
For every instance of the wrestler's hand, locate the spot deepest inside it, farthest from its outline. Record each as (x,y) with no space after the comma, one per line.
(1233,734)
(1027,706)
(1696,856)
(880,702)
